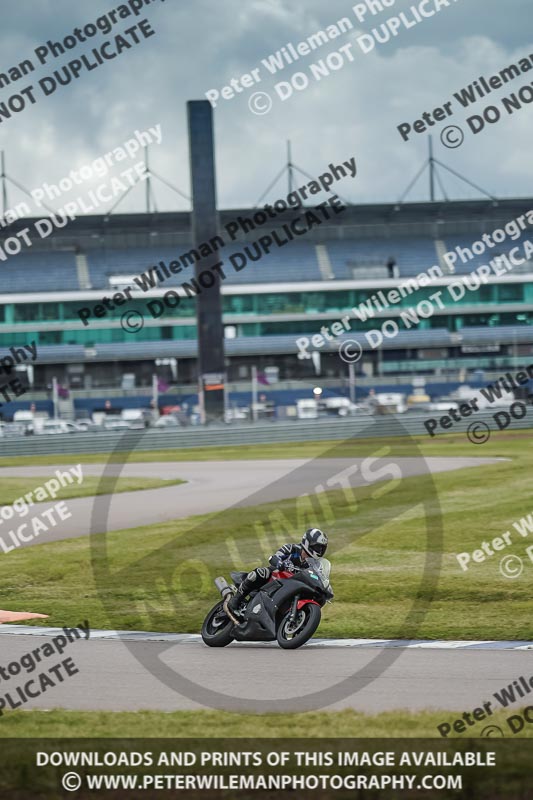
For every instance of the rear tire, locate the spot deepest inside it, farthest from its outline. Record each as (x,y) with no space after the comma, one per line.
(215,631)
(304,628)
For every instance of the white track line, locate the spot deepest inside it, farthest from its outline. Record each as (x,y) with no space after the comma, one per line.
(192,638)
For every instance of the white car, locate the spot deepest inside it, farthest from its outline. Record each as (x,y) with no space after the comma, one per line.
(85,424)
(55,426)
(13,429)
(167,422)
(115,424)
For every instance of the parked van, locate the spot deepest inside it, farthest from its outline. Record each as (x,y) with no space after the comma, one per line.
(137,417)
(307,409)
(337,407)
(393,403)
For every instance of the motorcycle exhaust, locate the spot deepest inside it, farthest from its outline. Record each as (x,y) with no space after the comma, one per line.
(226,591)
(223,588)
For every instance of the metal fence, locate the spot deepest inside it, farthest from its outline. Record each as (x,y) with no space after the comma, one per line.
(362,427)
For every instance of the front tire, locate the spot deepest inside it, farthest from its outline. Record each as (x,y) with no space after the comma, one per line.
(307,621)
(217,627)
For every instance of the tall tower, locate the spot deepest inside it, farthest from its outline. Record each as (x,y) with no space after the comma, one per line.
(210,331)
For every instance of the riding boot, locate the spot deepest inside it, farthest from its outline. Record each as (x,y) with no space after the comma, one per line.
(236,599)
(253,581)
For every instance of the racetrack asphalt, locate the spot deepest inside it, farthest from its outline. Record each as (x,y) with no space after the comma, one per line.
(111,676)
(211,486)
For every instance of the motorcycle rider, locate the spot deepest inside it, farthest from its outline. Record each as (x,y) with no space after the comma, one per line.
(313,545)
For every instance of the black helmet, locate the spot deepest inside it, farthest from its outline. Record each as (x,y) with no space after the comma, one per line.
(315,542)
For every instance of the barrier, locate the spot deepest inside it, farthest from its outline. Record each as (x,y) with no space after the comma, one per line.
(362,427)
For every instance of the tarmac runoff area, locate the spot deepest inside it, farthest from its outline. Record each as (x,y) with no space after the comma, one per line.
(451,676)
(211,486)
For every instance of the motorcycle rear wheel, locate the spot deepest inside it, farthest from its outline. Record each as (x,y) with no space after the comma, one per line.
(303,630)
(216,632)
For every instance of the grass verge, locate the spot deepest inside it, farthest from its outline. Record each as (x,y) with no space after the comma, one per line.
(446,445)
(12,489)
(161,577)
(223,725)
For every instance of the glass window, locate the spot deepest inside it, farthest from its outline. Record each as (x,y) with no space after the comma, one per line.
(50,337)
(511,292)
(49,311)
(238,304)
(27,312)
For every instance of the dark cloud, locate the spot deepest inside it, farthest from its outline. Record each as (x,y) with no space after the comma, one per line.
(203,45)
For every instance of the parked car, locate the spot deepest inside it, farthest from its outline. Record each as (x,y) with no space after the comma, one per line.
(13,429)
(168,421)
(55,426)
(86,424)
(115,424)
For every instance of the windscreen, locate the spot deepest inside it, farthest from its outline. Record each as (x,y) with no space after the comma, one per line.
(322,567)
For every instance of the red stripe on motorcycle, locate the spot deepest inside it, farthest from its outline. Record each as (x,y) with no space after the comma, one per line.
(302,603)
(282,574)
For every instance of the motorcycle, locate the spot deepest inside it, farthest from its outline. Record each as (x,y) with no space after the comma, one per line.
(287,609)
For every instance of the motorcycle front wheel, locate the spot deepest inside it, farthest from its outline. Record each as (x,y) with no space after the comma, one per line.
(217,627)
(295,634)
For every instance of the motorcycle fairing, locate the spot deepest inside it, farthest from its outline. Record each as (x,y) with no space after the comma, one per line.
(299,584)
(259,620)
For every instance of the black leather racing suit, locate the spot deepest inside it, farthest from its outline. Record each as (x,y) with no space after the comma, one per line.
(291,553)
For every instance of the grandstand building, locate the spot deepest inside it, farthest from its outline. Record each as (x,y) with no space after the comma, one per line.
(294,291)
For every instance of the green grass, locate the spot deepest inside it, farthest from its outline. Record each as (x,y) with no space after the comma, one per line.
(220,724)
(12,489)
(453,444)
(382,537)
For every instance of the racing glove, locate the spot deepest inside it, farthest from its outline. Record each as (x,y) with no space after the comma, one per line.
(288,566)
(275,562)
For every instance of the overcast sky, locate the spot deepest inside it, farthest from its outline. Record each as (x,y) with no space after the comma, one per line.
(354,112)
